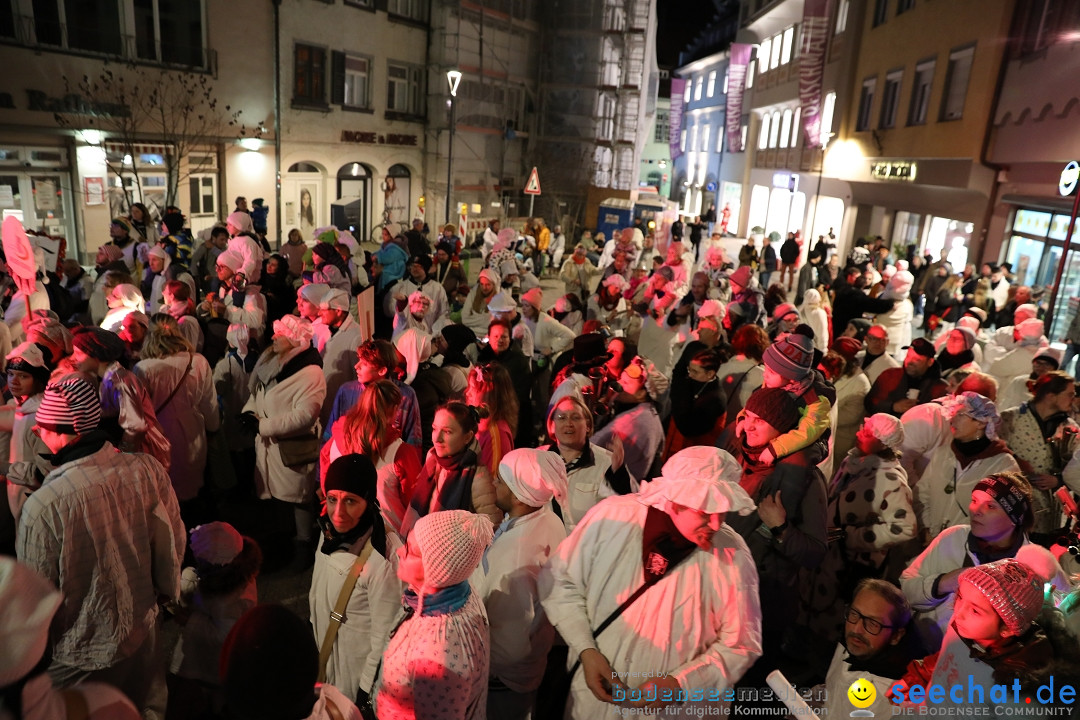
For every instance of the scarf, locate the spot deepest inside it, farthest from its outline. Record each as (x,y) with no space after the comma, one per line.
(868,358)
(441,602)
(334,541)
(179,308)
(456,494)
(662,545)
(986,554)
(948,361)
(754,471)
(969,451)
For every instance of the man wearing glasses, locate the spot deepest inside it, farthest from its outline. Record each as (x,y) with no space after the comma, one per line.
(876,647)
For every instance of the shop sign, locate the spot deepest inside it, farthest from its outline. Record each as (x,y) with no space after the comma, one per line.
(1070,179)
(786,181)
(895,170)
(372,138)
(74,104)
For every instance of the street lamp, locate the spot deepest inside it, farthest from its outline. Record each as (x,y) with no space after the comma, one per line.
(453,77)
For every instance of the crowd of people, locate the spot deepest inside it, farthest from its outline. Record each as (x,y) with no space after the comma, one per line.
(490,487)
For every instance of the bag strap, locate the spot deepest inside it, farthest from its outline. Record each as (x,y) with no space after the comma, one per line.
(337,616)
(191,359)
(625,605)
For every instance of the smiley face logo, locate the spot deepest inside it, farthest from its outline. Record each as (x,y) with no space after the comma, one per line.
(862,693)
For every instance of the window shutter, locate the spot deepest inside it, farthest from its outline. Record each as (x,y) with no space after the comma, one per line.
(337,77)
(196,196)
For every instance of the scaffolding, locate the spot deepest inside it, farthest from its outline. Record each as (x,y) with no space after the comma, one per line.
(597,74)
(494,43)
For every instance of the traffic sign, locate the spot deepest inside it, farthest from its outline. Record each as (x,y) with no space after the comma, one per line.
(533,186)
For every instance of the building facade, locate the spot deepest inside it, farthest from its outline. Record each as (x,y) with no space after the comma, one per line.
(1033,142)
(909,153)
(797,79)
(93,120)
(354,108)
(495,44)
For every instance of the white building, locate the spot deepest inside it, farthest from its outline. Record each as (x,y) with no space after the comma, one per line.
(74,154)
(353,95)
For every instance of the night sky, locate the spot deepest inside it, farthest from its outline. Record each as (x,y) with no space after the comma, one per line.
(679,23)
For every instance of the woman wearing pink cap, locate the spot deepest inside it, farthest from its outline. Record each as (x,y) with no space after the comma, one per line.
(437,662)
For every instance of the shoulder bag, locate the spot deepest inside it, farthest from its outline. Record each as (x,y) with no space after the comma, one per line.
(337,616)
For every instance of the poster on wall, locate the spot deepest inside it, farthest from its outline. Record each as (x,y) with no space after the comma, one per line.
(396,200)
(307,201)
(44,195)
(95,190)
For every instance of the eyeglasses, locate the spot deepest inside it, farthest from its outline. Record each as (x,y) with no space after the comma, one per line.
(871,625)
(572,417)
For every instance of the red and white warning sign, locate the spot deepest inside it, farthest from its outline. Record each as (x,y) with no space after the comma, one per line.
(533,186)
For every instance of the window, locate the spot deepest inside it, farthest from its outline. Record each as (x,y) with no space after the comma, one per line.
(1041,23)
(705,138)
(866,101)
(920,93)
(902,6)
(352,80)
(828,108)
(411,9)
(175,37)
(763,135)
(686,91)
(890,98)
(774,129)
(405,89)
(881,11)
(727,74)
(742,137)
(796,131)
(361,3)
(309,70)
(682,141)
(7,20)
(662,128)
(956,83)
(697,88)
(841,16)
(750,71)
(711,90)
(764,51)
(203,190)
(789,38)
(777,48)
(93,25)
(720,139)
(785,128)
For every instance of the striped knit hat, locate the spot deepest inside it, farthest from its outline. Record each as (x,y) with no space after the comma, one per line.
(71,407)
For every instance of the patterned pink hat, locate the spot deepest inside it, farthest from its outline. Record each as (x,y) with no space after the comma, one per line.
(451,543)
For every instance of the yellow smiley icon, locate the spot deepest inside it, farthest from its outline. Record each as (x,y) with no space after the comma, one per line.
(862,693)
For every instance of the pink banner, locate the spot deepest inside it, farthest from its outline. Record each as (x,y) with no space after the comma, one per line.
(740,58)
(678,86)
(815,37)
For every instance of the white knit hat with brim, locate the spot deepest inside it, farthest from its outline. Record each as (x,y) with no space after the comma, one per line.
(27,605)
(451,543)
(703,478)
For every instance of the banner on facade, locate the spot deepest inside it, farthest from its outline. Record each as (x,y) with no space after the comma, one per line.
(815,36)
(740,59)
(678,87)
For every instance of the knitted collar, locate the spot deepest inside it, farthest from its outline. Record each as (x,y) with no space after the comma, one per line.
(972,450)
(441,602)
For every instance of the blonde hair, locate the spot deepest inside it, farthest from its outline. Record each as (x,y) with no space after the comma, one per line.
(164,338)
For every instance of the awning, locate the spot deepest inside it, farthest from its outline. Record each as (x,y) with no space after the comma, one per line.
(948,202)
(1051,203)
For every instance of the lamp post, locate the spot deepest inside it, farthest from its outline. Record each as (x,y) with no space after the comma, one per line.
(825,138)
(453,77)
